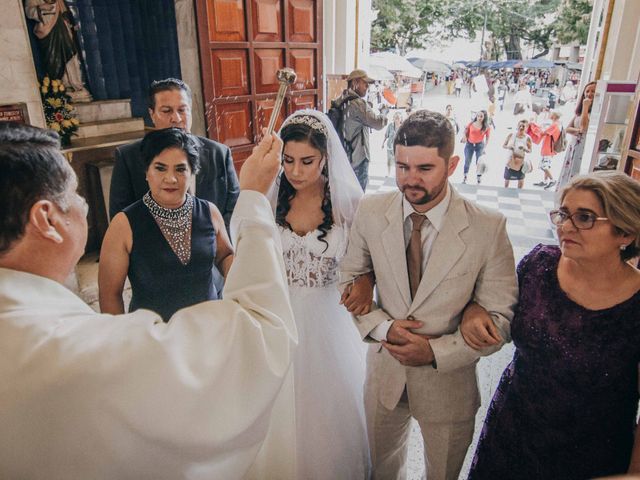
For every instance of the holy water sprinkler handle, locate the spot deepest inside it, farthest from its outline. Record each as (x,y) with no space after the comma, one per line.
(286,77)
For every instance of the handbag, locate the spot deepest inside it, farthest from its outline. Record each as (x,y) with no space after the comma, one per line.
(527,166)
(482,167)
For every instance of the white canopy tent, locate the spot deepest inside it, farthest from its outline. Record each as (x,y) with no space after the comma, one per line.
(394,63)
(429,65)
(379,73)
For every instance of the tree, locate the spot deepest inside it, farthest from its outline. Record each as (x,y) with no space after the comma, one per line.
(573,21)
(404,24)
(510,23)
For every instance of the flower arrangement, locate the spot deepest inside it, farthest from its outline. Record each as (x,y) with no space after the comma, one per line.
(58,111)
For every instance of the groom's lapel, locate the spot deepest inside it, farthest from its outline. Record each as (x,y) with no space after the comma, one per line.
(393,243)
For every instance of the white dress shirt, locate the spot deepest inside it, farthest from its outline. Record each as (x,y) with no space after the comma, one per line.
(428,234)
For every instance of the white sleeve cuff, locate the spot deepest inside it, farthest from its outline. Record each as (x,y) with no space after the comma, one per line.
(380,332)
(252,209)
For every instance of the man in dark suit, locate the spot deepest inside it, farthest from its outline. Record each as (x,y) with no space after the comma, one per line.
(170,106)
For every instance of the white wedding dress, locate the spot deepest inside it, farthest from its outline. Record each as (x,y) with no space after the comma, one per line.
(329,363)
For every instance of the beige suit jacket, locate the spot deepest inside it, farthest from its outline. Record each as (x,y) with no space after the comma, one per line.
(471,259)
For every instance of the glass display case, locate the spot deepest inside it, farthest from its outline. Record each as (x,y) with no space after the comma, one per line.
(604,141)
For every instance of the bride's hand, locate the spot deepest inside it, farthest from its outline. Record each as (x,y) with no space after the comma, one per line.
(358,296)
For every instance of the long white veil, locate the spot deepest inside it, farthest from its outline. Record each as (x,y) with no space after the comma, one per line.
(343,183)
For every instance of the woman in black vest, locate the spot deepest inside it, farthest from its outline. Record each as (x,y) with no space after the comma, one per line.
(168,242)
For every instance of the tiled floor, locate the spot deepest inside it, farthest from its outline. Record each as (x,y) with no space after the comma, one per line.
(527,225)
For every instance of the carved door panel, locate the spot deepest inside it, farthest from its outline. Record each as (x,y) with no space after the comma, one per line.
(243,43)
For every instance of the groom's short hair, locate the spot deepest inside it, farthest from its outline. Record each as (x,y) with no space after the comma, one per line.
(427,129)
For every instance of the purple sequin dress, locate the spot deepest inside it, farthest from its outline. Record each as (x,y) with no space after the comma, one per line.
(565,407)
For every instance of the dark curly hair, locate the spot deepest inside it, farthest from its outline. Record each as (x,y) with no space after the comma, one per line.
(303,133)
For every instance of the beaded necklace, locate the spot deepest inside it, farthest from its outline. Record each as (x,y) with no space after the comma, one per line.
(175,225)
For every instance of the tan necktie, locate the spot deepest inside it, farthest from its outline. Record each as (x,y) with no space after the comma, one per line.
(414,253)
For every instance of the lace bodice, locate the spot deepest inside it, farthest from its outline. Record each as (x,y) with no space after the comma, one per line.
(307,262)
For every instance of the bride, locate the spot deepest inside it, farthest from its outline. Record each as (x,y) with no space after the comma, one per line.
(316,197)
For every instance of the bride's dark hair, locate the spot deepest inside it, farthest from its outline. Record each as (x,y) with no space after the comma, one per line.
(298,132)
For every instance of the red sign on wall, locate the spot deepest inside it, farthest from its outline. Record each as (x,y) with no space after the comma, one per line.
(14,113)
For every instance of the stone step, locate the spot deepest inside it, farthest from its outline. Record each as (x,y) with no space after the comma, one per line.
(103,110)
(109,127)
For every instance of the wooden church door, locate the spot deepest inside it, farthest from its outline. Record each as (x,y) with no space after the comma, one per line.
(243,43)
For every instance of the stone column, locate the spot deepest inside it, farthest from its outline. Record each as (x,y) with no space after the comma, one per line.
(190,61)
(624,39)
(18,75)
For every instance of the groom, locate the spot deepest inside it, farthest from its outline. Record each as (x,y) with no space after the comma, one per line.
(433,253)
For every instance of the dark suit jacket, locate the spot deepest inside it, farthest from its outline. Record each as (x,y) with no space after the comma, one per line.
(216,182)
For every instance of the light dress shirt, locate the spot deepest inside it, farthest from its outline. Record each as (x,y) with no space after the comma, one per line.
(428,234)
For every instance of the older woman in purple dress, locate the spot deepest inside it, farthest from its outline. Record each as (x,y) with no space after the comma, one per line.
(566,405)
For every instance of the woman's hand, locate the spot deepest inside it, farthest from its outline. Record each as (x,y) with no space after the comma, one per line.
(358,296)
(477,328)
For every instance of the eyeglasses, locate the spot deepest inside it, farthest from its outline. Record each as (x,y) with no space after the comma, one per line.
(580,220)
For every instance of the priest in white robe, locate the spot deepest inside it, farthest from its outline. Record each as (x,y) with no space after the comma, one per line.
(95,396)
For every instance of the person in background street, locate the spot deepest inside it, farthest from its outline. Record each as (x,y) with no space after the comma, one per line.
(518,144)
(548,136)
(577,128)
(476,136)
(502,94)
(481,91)
(568,93)
(458,83)
(522,100)
(449,79)
(452,118)
(491,112)
(389,137)
(358,118)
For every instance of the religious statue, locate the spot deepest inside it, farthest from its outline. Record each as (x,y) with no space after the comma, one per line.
(56,38)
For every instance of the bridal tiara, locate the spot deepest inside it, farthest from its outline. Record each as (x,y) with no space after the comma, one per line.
(309,121)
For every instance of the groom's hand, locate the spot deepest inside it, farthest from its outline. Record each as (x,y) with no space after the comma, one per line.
(416,350)
(394,334)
